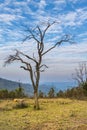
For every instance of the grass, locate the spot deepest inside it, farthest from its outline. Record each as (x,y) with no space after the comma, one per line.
(55,114)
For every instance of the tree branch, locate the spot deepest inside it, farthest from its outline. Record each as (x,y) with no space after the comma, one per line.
(24,68)
(33,59)
(31,36)
(48,26)
(44,66)
(66,38)
(58,43)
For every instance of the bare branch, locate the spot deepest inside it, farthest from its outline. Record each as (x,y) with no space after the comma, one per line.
(26,38)
(81,73)
(35,74)
(24,68)
(29,67)
(13,58)
(33,59)
(43,66)
(58,43)
(77,79)
(66,38)
(48,26)
(42,70)
(40,32)
(31,36)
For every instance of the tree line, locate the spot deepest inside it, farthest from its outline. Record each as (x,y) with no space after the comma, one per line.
(75,92)
(17,93)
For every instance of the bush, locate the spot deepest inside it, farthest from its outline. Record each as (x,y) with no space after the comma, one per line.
(20,103)
(75,92)
(84,86)
(60,94)
(17,93)
(51,93)
(41,94)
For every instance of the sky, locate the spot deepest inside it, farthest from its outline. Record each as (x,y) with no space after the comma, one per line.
(71,18)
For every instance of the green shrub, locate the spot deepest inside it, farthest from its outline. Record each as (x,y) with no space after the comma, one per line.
(19,104)
(51,93)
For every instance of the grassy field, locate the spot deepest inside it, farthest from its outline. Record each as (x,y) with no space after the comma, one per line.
(55,114)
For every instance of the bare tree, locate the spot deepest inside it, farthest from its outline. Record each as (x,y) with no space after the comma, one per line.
(81,73)
(38,35)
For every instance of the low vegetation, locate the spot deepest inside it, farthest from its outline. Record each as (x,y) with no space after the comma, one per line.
(75,92)
(17,93)
(20,103)
(55,114)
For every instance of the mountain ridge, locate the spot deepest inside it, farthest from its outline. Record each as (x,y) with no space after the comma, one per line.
(28,89)
(44,87)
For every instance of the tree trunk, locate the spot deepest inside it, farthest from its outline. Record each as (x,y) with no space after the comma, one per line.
(36,105)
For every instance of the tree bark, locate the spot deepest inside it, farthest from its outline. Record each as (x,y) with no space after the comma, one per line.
(36,104)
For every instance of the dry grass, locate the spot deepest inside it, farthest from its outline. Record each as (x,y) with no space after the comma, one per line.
(55,114)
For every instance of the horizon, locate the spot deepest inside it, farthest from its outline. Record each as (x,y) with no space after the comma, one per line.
(71,16)
(42,86)
(52,83)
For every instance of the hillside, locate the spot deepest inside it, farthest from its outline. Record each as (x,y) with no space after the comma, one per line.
(11,85)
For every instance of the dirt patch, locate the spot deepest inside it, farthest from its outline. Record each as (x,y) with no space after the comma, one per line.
(81,127)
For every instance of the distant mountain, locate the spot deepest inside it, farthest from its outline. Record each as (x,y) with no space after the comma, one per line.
(11,85)
(44,87)
(62,85)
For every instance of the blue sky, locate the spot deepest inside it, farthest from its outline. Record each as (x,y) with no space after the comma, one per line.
(71,16)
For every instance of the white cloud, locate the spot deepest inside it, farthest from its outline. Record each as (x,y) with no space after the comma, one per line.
(82,35)
(42,4)
(59,5)
(82,15)
(76,1)
(7,17)
(7,2)
(74,18)
(59,2)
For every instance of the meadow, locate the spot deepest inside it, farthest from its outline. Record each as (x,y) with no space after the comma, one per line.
(54,114)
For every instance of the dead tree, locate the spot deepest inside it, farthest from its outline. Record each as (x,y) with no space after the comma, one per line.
(38,35)
(80,74)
